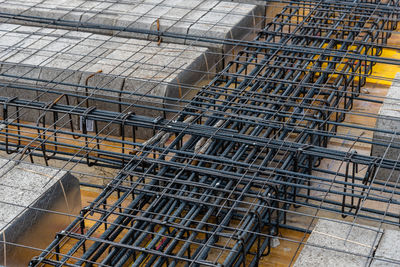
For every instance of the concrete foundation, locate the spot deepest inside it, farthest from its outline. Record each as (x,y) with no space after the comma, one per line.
(327,241)
(359,246)
(389,119)
(28,195)
(215,19)
(269,9)
(131,69)
(388,252)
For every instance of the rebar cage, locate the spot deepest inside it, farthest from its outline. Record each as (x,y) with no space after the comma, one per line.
(229,166)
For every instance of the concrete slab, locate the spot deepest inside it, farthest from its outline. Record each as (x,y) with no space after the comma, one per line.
(339,244)
(389,119)
(140,72)
(215,19)
(29,196)
(388,252)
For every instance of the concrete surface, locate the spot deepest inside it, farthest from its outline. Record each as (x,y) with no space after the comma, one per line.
(389,119)
(388,252)
(330,236)
(193,17)
(269,9)
(28,194)
(132,68)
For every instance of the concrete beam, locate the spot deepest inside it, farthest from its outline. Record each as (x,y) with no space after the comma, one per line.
(333,243)
(388,252)
(29,196)
(194,17)
(134,69)
(388,119)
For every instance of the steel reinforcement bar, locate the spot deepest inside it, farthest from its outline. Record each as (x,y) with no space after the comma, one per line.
(187,205)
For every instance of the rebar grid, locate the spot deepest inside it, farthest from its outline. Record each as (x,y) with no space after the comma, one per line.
(215,183)
(241,153)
